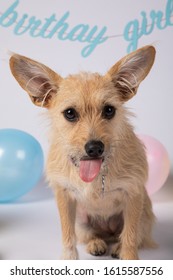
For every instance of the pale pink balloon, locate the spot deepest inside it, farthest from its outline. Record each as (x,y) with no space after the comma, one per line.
(158,161)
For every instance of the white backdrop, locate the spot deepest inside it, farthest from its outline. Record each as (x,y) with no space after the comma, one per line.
(90,35)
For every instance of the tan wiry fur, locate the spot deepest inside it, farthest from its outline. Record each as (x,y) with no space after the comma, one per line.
(119,212)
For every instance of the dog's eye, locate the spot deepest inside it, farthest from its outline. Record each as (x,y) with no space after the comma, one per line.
(71,115)
(108,112)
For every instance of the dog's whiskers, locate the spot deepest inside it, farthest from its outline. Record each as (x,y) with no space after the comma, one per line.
(103,185)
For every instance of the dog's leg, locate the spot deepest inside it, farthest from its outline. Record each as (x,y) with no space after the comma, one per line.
(146,224)
(67,211)
(129,236)
(94,245)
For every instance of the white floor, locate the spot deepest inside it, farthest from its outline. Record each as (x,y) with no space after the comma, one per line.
(30,228)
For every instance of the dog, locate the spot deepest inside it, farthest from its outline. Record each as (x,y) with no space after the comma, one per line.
(96,164)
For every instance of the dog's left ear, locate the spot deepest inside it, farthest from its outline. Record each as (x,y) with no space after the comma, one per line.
(38,80)
(128,73)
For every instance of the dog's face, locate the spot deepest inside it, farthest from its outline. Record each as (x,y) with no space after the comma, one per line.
(87,112)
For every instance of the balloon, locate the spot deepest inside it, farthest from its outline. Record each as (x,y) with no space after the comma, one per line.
(158,162)
(21,163)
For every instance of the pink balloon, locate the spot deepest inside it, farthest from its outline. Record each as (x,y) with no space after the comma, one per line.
(158,161)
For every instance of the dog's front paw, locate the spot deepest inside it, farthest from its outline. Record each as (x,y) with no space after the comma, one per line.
(115,250)
(96,247)
(69,254)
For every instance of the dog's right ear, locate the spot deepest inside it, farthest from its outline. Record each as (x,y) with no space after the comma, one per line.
(128,73)
(40,82)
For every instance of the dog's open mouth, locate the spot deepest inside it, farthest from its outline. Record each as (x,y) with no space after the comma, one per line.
(89,168)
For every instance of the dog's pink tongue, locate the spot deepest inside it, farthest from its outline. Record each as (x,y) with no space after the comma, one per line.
(89,169)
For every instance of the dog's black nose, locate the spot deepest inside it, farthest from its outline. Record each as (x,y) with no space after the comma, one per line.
(94,148)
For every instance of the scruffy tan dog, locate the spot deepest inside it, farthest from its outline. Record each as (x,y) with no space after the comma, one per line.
(96,164)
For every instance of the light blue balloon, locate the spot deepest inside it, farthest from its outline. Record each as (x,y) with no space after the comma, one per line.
(21,163)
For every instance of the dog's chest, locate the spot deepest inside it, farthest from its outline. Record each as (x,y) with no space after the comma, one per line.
(97,201)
